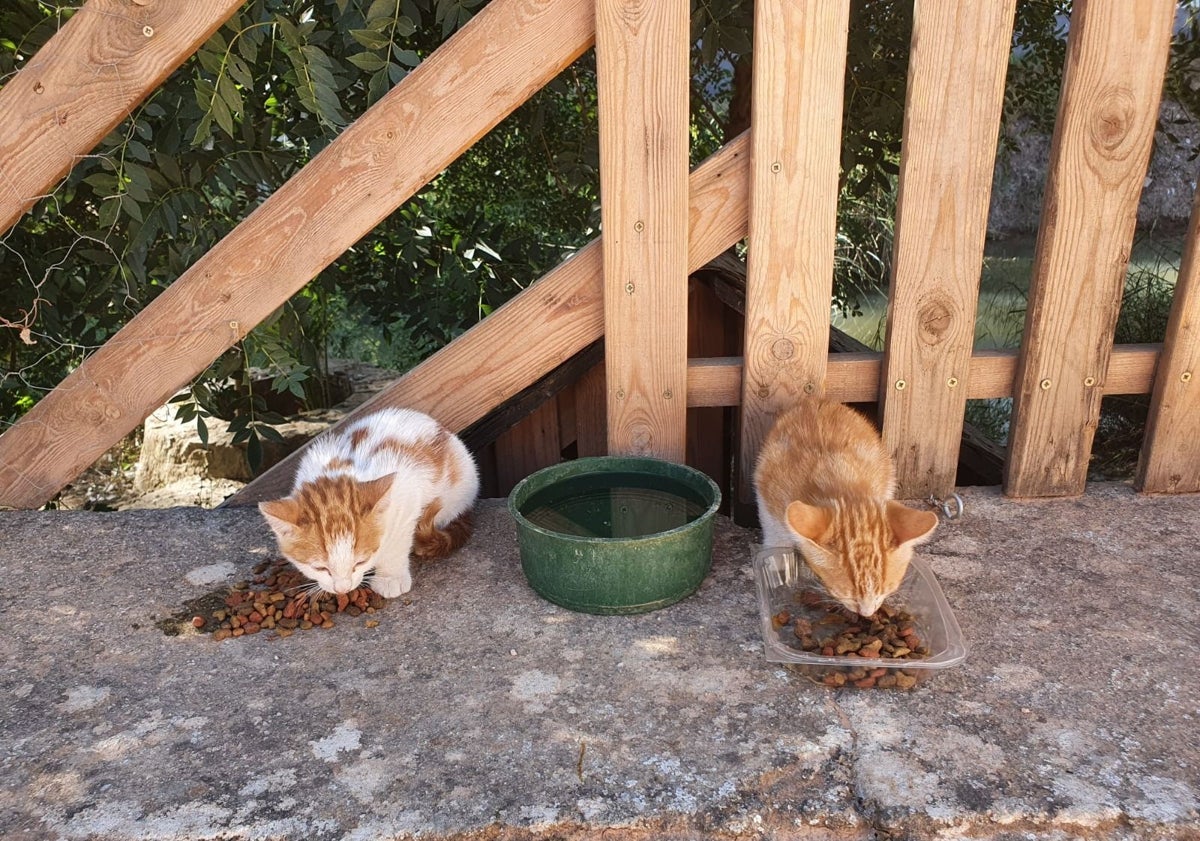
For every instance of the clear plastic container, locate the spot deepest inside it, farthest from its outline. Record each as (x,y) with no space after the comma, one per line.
(783,580)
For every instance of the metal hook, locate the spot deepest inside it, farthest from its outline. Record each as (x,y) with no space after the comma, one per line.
(950,513)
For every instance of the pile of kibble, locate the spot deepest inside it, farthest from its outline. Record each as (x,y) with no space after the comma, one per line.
(279,599)
(890,634)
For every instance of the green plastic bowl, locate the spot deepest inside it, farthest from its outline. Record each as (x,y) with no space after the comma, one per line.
(615,534)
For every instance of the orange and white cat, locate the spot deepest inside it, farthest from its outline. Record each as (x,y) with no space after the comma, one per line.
(394,483)
(824,483)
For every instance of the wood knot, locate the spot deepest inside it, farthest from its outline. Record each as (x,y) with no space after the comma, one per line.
(1112,119)
(934,319)
(783,349)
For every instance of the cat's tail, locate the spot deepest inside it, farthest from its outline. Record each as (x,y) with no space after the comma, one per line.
(431,542)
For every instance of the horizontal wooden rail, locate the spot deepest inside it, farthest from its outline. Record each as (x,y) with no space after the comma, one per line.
(456,95)
(854,377)
(544,325)
(84,81)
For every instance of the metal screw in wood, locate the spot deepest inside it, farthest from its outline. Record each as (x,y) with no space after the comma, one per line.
(1186,376)
(148,31)
(952,382)
(639,226)
(901,385)
(1045,384)
(1089,381)
(776,167)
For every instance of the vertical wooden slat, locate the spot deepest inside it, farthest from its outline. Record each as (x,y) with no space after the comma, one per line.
(711,333)
(591,415)
(955,94)
(1112,83)
(642,73)
(799,77)
(84,81)
(1170,461)
(528,447)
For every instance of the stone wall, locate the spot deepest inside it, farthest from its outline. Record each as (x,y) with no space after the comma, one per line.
(1166,197)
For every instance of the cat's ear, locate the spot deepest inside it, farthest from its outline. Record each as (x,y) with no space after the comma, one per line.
(375,492)
(281,514)
(910,526)
(808,521)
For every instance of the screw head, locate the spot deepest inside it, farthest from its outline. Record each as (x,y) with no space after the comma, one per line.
(639,226)
(629,288)
(952,382)
(809,388)
(776,167)
(667,395)
(901,385)
(620,394)
(148,31)
(1045,384)
(1089,381)
(1186,376)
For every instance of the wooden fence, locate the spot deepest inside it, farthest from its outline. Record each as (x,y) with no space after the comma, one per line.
(778,187)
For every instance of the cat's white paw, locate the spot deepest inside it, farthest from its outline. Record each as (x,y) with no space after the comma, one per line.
(390,586)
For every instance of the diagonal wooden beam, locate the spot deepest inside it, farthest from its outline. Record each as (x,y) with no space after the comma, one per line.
(84,81)
(493,64)
(541,327)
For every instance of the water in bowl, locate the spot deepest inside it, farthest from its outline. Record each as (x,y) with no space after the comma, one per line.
(608,505)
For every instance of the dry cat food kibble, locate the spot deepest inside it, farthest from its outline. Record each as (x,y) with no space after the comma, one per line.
(828,631)
(281,600)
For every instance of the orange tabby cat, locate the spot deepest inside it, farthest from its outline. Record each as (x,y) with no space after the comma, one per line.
(824,484)
(394,483)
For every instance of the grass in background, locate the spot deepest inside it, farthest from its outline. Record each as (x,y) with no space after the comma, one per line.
(1000,320)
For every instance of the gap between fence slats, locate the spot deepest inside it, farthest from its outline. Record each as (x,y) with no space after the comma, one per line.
(960,52)
(377,163)
(1170,461)
(799,80)
(1108,112)
(54,113)
(642,85)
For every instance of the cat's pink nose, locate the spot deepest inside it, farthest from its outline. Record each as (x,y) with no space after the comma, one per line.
(342,585)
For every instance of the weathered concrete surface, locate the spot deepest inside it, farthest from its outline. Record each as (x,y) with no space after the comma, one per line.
(481,711)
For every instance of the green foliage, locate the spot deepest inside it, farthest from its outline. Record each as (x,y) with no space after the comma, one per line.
(280,80)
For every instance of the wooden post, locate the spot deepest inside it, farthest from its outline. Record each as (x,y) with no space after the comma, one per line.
(84,81)
(642,76)
(799,78)
(546,324)
(960,53)
(1112,83)
(1170,461)
(377,163)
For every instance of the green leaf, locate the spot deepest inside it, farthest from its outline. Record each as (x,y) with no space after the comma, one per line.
(222,114)
(202,430)
(383,9)
(369,38)
(408,58)
(254,453)
(367,61)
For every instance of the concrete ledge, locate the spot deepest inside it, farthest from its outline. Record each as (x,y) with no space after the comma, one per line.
(479,711)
